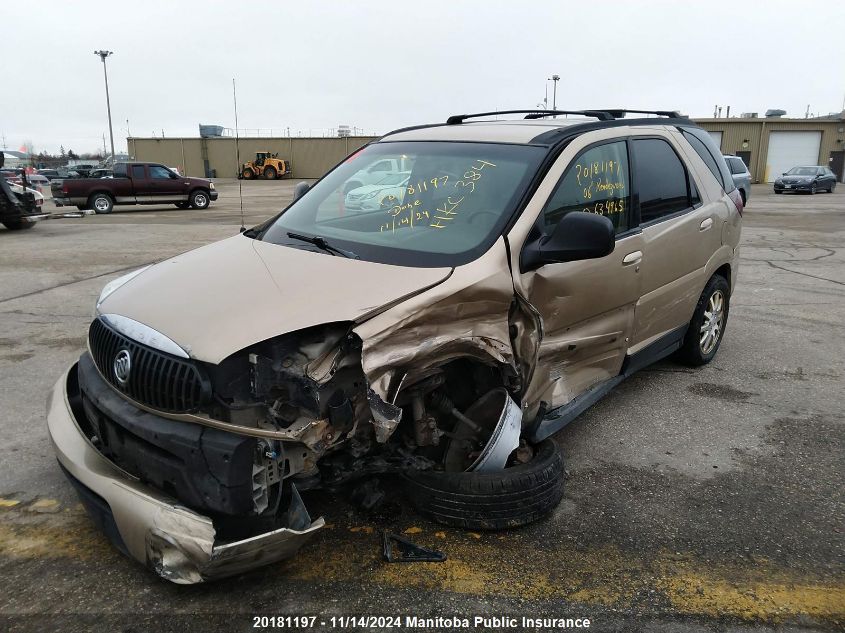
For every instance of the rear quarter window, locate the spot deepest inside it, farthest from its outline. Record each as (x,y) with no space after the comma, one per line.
(705,147)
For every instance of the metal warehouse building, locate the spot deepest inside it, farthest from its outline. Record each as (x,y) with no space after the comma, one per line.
(769,146)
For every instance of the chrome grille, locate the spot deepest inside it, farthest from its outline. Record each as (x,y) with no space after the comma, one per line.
(156,379)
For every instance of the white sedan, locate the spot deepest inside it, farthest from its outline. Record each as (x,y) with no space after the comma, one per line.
(387,192)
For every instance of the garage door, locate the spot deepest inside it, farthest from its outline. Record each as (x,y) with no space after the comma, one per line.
(717,138)
(791,149)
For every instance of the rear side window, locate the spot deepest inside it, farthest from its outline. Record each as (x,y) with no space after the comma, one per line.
(662,182)
(138,172)
(598,181)
(120,170)
(736,165)
(705,146)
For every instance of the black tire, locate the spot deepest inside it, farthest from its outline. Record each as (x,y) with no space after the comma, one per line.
(17,225)
(270,173)
(182,205)
(832,187)
(693,352)
(813,189)
(491,501)
(743,196)
(199,199)
(248,174)
(101,203)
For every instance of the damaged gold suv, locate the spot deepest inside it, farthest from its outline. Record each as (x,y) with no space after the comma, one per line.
(501,278)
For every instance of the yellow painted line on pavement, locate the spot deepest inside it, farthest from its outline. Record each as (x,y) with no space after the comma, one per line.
(511,565)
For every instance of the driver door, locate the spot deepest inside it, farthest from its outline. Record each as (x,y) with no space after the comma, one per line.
(165,186)
(586,307)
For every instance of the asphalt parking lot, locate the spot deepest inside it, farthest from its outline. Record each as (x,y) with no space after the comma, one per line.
(696,500)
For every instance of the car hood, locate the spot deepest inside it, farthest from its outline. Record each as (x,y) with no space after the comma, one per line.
(221,298)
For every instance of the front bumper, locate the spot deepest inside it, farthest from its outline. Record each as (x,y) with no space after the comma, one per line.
(154,529)
(800,186)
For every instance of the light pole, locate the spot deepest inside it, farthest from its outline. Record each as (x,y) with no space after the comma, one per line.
(554,78)
(103,55)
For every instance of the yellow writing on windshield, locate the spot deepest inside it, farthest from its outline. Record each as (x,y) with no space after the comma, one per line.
(446,198)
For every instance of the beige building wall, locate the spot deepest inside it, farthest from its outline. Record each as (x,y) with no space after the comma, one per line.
(313,157)
(309,157)
(752,135)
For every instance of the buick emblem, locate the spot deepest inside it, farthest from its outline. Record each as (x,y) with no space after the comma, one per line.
(122,367)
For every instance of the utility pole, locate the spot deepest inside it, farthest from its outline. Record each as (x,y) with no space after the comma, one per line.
(103,55)
(555,79)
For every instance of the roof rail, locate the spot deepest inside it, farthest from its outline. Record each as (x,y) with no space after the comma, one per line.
(457,119)
(620,113)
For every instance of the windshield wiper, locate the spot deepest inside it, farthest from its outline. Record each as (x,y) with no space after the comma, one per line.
(322,244)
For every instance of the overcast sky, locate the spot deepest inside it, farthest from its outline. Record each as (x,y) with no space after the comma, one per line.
(380,65)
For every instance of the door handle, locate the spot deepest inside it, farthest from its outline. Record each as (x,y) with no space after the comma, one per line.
(705,224)
(632,258)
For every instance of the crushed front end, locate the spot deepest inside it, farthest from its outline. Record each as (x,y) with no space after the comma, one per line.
(195,468)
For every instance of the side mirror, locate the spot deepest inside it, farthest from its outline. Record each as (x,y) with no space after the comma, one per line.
(300,189)
(173,176)
(579,235)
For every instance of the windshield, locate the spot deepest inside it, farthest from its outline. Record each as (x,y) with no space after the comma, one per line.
(455,203)
(803,171)
(395,179)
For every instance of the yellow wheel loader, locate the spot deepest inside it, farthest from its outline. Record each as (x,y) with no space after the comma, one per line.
(266,165)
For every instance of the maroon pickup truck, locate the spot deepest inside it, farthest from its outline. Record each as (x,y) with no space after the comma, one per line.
(134,183)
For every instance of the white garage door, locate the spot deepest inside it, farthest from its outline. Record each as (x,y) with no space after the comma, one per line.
(717,138)
(791,149)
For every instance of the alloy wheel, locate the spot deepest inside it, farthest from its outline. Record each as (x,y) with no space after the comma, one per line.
(712,326)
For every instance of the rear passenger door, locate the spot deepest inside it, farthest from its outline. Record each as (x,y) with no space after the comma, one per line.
(679,233)
(138,175)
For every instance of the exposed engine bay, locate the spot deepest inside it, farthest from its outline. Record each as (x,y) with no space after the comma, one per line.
(304,415)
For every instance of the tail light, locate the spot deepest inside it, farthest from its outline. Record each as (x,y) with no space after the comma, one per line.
(65,188)
(737,199)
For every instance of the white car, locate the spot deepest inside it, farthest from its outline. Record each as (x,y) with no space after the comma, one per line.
(384,194)
(39,198)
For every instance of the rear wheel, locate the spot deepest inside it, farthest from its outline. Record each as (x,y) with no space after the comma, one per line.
(199,199)
(101,203)
(495,500)
(707,326)
(248,174)
(18,225)
(270,173)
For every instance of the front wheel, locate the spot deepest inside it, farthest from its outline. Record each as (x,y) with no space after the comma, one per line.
(707,326)
(18,225)
(813,189)
(496,500)
(101,203)
(270,173)
(199,199)
(832,187)
(248,174)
